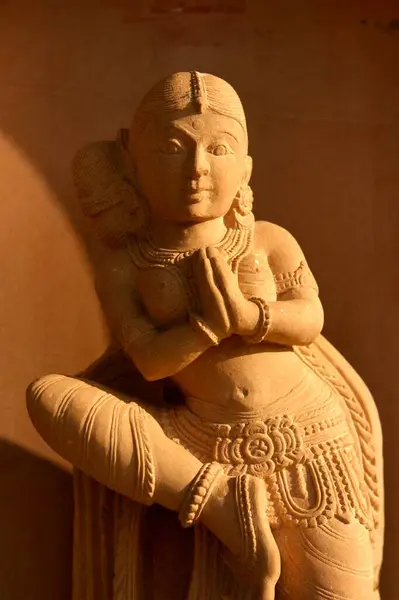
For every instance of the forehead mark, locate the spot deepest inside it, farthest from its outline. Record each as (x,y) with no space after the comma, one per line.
(184,129)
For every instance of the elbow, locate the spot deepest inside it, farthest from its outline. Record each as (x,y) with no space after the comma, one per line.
(313,328)
(148,369)
(146,361)
(307,338)
(152,375)
(152,365)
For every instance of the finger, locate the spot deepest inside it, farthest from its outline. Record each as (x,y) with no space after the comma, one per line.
(220,264)
(201,271)
(213,252)
(198,260)
(224,289)
(205,271)
(206,282)
(225,281)
(219,290)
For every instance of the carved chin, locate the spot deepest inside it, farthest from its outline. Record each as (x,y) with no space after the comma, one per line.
(208,207)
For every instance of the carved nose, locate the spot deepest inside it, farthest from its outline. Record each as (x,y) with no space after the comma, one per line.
(200,163)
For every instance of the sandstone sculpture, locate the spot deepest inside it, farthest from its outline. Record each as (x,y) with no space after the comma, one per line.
(222,447)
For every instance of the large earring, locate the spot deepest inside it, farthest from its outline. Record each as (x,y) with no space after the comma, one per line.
(240,214)
(243,200)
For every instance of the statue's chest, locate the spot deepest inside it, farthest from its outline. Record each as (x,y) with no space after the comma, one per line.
(255,277)
(169,292)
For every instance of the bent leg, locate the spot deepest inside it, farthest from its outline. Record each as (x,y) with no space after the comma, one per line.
(112,439)
(117,442)
(333,561)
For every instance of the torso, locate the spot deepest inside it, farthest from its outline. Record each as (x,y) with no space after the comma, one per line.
(233,376)
(260,405)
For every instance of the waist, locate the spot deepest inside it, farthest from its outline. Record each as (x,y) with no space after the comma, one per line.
(294,429)
(234,379)
(303,395)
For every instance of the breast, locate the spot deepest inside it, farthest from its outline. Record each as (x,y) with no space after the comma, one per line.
(164,293)
(256,278)
(168,292)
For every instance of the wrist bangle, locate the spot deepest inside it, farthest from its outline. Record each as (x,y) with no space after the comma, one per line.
(263,325)
(200,326)
(198,493)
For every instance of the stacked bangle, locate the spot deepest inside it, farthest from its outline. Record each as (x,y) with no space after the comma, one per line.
(199,493)
(263,324)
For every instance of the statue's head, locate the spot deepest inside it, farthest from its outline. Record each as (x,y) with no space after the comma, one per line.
(189,147)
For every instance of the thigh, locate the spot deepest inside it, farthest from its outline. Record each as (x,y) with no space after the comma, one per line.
(333,561)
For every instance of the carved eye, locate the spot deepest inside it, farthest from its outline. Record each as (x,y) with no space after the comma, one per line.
(171,147)
(219,150)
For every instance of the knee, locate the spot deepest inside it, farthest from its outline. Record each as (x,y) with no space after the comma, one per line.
(331,561)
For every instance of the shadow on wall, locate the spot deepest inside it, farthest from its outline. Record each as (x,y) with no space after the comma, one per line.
(36,500)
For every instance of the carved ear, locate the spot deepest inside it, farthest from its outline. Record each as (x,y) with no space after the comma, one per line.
(248,169)
(105,190)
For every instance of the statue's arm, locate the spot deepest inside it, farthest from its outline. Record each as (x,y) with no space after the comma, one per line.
(157,354)
(297,317)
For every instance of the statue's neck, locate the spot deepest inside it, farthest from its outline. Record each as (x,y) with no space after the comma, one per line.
(186,236)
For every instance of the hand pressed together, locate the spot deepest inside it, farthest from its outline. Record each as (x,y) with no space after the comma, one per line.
(225,309)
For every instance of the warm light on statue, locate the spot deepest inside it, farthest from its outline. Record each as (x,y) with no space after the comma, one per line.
(266,442)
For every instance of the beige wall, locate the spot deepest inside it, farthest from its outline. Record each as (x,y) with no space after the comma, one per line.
(320,84)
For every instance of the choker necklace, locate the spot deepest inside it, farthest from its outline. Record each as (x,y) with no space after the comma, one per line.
(236,243)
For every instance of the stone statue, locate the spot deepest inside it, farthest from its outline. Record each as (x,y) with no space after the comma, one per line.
(222,447)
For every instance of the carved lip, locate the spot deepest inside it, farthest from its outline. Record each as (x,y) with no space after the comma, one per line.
(196,187)
(194,197)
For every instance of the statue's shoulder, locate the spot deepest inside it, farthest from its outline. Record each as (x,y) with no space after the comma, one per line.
(285,256)
(115,268)
(274,239)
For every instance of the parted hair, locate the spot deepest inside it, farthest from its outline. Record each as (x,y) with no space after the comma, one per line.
(103,172)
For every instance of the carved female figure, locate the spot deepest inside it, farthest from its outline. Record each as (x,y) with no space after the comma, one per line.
(274,454)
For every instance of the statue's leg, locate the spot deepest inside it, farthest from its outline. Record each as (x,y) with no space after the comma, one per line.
(333,561)
(114,440)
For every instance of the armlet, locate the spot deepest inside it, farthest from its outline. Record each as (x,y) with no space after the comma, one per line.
(301,277)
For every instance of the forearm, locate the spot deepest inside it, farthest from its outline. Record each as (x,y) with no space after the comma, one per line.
(164,353)
(295,322)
